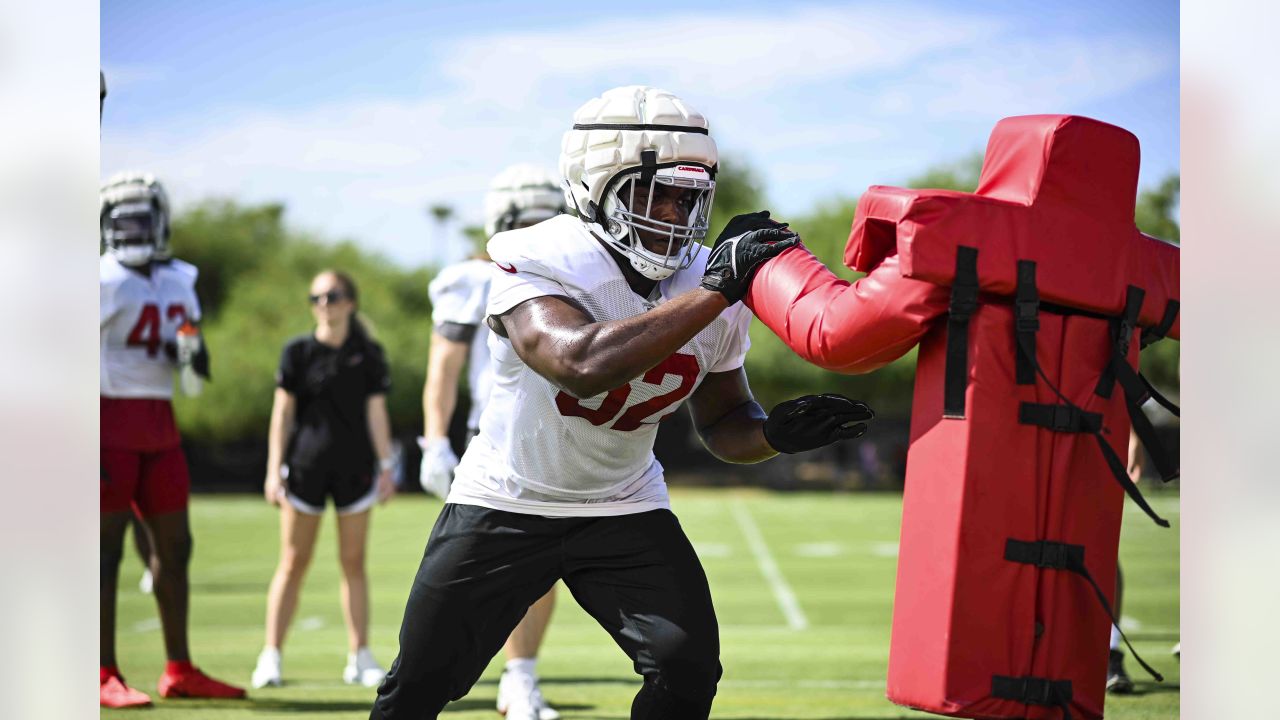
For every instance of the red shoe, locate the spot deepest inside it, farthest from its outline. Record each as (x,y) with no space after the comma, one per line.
(186,681)
(113,693)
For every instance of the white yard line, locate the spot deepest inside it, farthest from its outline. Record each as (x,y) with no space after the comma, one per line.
(769,568)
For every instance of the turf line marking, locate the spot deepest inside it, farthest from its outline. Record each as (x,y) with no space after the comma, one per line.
(315,622)
(769,568)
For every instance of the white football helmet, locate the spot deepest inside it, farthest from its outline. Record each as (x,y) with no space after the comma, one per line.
(521,195)
(134,215)
(649,136)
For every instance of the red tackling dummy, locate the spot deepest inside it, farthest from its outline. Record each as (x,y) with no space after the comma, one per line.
(1030,300)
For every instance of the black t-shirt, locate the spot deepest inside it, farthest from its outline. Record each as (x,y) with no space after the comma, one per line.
(332,388)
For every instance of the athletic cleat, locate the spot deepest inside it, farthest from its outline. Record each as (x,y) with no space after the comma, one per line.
(268,670)
(113,693)
(1118,682)
(363,669)
(146,583)
(520,698)
(192,683)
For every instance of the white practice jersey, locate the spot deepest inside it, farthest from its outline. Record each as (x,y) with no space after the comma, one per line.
(459,294)
(140,317)
(543,451)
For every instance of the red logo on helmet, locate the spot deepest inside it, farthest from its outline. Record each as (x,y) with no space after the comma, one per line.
(690,169)
(504,268)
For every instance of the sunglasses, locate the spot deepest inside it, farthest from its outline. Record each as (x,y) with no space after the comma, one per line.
(329,298)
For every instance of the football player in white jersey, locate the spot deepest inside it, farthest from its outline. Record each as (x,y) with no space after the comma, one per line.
(602,324)
(520,196)
(148,318)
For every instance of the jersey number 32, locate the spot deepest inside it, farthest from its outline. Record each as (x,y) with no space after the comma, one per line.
(683,366)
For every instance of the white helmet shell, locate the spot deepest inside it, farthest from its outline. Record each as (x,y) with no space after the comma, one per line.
(521,194)
(642,133)
(141,197)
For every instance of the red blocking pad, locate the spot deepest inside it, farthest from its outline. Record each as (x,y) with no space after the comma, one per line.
(1055,189)
(962,612)
(1012,508)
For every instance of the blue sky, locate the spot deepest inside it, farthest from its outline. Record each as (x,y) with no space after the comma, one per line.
(359,115)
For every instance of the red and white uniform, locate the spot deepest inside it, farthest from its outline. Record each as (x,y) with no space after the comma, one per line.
(542,451)
(142,461)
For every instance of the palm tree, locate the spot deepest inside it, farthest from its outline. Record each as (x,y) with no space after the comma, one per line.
(442,213)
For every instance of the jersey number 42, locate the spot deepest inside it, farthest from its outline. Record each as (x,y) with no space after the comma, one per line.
(146,332)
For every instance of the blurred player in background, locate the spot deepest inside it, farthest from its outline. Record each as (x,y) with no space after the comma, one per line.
(1118,680)
(603,324)
(519,197)
(329,431)
(148,318)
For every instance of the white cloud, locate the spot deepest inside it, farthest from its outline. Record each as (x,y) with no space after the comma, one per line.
(1025,76)
(130,75)
(802,93)
(709,55)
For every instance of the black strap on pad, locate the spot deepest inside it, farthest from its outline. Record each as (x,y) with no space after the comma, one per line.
(964,301)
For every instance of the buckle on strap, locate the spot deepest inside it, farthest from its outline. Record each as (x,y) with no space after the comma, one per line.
(1129,320)
(1026,315)
(1045,554)
(1026,302)
(1031,690)
(1059,418)
(964,301)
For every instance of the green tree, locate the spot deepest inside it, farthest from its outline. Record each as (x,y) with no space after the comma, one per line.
(961,175)
(254,275)
(1157,208)
(738,190)
(1156,215)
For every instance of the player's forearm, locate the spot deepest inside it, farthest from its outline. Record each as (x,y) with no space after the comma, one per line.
(379,426)
(278,435)
(440,392)
(601,356)
(738,437)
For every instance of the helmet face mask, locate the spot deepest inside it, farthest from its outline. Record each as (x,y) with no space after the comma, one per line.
(129,231)
(632,230)
(134,211)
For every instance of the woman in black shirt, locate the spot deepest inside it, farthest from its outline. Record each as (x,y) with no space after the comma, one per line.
(329,431)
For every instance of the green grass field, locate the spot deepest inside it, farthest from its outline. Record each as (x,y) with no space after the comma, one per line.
(835,551)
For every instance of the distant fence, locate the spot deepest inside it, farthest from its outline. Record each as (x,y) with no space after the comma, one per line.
(875,462)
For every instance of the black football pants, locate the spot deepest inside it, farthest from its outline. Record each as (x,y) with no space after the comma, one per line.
(637,575)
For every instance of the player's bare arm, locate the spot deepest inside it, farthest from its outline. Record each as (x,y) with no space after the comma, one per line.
(561,342)
(380,433)
(729,420)
(283,410)
(440,392)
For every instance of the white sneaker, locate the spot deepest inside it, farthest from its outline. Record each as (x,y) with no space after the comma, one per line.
(519,698)
(268,670)
(146,583)
(362,668)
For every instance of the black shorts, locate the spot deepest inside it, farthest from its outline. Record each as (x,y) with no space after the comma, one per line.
(306,489)
(637,575)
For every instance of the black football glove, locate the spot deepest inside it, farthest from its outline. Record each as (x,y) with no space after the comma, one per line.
(746,242)
(812,421)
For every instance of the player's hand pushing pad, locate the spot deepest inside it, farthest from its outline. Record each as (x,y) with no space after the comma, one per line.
(746,242)
(812,421)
